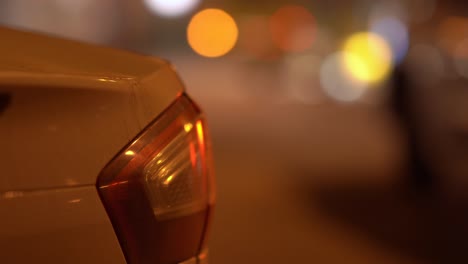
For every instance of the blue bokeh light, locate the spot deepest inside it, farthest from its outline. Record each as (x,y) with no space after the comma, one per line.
(395,33)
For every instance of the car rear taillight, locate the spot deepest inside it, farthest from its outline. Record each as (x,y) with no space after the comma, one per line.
(158,192)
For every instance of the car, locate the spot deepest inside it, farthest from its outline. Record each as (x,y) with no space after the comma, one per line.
(104,156)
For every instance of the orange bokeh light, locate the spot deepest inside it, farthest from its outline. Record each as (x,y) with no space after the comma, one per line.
(212,33)
(255,38)
(293,28)
(451,32)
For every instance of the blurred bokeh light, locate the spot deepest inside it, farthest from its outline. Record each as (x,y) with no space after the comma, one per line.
(460,57)
(171,8)
(212,33)
(395,34)
(293,28)
(81,20)
(368,57)
(336,80)
(255,38)
(389,8)
(452,30)
(302,78)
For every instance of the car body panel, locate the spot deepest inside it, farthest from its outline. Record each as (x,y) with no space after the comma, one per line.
(66,225)
(39,54)
(71,107)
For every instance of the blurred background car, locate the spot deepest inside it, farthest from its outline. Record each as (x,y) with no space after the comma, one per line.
(338,126)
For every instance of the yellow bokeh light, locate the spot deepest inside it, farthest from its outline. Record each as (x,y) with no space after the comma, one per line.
(212,33)
(367,57)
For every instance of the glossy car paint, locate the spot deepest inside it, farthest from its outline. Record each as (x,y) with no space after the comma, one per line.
(73,107)
(56,226)
(66,109)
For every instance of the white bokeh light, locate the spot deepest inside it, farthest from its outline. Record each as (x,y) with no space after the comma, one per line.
(337,83)
(171,8)
(302,78)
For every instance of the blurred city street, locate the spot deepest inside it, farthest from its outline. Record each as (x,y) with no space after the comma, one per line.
(263,156)
(315,134)
(312,182)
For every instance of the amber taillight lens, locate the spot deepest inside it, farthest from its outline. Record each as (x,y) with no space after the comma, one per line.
(158,192)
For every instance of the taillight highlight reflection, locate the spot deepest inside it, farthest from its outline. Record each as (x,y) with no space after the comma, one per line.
(157,191)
